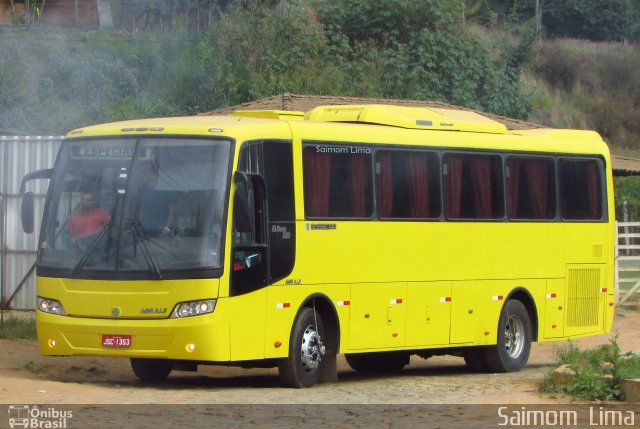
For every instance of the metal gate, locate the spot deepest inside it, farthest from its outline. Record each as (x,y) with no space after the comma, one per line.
(20,155)
(628,262)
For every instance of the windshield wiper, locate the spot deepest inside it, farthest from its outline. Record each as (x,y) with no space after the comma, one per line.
(89,251)
(149,258)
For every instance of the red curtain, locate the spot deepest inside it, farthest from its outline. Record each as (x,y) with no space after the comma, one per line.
(513,187)
(418,186)
(536,171)
(385,185)
(453,186)
(481,183)
(358,186)
(317,172)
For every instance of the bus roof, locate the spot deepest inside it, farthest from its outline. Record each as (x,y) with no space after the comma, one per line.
(240,124)
(420,118)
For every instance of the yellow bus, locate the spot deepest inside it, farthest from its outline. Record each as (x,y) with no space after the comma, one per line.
(281,239)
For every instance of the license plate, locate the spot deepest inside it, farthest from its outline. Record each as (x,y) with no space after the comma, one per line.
(116,341)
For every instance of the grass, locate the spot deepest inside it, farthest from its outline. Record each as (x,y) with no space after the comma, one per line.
(14,327)
(598,372)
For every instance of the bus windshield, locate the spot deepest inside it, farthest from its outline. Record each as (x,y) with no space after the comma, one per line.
(144,208)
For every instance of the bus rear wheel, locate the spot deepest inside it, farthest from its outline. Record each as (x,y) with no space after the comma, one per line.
(358,361)
(305,363)
(151,370)
(514,339)
(475,359)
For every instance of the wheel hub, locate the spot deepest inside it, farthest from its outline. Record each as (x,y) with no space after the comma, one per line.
(514,336)
(312,349)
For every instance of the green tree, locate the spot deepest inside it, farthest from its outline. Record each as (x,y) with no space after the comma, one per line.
(598,20)
(390,21)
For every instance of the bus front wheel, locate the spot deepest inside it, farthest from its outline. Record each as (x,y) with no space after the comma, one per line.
(151,370)
(514,339)
(305,363)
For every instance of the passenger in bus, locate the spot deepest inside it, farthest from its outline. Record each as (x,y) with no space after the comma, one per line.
(87,221)
(156,208)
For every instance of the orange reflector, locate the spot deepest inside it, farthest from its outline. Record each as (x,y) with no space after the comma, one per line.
(277,344)
(486,333)
(395,334)
(554,326)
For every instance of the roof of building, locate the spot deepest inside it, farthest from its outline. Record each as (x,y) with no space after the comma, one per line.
(301,102)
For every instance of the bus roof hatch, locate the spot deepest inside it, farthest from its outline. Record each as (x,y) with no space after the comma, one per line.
(407,117)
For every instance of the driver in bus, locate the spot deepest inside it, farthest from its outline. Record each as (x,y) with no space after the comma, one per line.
(87,221)
(156,208)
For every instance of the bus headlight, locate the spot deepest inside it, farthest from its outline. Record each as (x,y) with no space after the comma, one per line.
(51,306)
(194,308)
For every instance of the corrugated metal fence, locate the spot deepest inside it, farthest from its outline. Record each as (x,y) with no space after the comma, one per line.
(20,155)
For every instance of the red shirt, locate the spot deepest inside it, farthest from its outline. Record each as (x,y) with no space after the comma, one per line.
(84,224)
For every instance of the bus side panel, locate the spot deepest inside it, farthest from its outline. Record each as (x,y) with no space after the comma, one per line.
(428,313)
(247,325)
(464,312)
(378,312)
(554,304)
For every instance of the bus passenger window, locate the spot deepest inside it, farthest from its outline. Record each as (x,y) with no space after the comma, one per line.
(408,185)
(580,189)
(337,181)
(473,186)
(531,190)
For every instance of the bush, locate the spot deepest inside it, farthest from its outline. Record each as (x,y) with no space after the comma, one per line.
(598,371)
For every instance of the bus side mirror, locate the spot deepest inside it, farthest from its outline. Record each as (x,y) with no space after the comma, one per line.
(26,207)
(26,212)
(243,203)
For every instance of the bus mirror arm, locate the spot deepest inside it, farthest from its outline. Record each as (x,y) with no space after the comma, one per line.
(26,207)
(243,203)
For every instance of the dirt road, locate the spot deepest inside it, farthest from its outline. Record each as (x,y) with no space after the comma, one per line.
(28,378)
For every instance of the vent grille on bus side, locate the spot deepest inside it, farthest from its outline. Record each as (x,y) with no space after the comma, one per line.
(583,296)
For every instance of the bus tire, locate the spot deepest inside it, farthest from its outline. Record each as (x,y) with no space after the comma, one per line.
(377,362)
(305,363)
(514,339)
(151,370)
(475,359)
(387,361)
(358,361)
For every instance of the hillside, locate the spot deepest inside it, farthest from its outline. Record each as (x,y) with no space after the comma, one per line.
(52,80)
